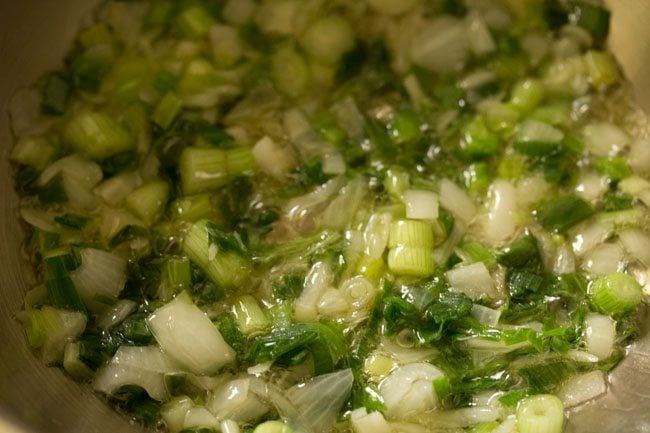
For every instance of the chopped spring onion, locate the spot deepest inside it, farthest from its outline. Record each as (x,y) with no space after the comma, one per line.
(148,201)
(616,293)
(50,329)
(203,169)
(411,233)
(188,336)
(275,216)
(540,414)
(249,316)
(563,213)
(412,261)
(98,135)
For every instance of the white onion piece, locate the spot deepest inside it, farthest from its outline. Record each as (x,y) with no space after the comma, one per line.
(534,130)
(133,365)
(79,196)
(302,134)
(375,235)
(272,158)
(591,187)
(485,315)
(581,356)
(441,45)
(302,211)
(565,260)
(39,219)
(501,224)
(421,204)
(599,335)
(456,201)
(477,79)
(101,274)
(85,171)
(495,15)
(229,426)
(343,207)
(409,390)
(479,36)
(536,45)
(317,281)
(509,425)
(200,417)
(173,413)
(319,400)
(637,243)
(234,400)
(582,388)
(238,11)
(115,220)
(114,190)
(364,422)
(639,156)
(473,280)
(531,190)
(568,75)
(358,291)
(460,418)
(587,236)
(188,336)
(392,7)
(417,95)
(604,259)
(604,139)
(349,116)
(333,304)
(406,355)
(116,314)
(333,163)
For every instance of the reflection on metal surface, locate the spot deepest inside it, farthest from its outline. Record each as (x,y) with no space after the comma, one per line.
(49,402)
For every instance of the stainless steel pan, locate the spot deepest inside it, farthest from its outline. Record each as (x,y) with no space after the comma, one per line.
(34,35)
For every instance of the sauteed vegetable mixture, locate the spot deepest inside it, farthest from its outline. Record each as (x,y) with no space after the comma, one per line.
(316,216)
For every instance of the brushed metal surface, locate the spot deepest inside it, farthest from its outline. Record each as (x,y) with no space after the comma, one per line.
(34,35)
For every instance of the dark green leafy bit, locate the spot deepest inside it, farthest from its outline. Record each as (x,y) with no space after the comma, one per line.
(128,233)
(591,17)
(563,213)
(138,404)
(72,221)
(547,375)
(118,163)
(430,324)
(226,241)
(291,345)
(615,200)
(55,94)
(60,289)
(233,336)
(523,253)
(288,288)
(53,192)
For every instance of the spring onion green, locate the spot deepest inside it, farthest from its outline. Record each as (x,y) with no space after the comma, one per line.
(278,216)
